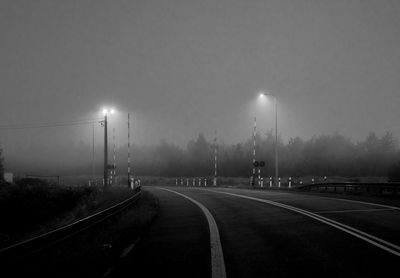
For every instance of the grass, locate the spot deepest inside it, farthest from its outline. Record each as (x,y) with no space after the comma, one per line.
(91,253)
(32,207)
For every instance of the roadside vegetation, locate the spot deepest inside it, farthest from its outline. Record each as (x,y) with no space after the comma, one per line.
(31,206)
(93,252)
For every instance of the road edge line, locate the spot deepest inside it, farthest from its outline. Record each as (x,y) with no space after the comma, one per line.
(378,242)
(217,256)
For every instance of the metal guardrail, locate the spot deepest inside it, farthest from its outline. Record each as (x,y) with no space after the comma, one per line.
(36,244)
(355,187)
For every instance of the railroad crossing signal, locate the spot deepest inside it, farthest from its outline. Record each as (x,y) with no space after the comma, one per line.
(259,163)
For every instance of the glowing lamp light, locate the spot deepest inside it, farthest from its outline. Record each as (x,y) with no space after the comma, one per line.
(107,111)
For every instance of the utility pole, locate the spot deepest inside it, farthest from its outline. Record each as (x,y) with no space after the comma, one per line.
(114,176)
(93,152)
(254,152)
(276,142)
(105,152)
(215,158)
(129,153)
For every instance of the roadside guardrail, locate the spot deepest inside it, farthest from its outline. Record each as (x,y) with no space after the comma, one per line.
(36,244)
(354,187)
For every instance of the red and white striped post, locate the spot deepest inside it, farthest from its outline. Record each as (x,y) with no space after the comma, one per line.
(114,174)
(215,158)
(129,154)
(254,151)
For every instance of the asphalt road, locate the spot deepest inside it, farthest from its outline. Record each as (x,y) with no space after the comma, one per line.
(266,234)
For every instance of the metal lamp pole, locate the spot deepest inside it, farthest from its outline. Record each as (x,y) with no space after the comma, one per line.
(276,141)
(276,136)
(105,151)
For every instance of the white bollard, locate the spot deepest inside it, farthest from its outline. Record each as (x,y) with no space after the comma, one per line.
(176,181)
(205,182)
(290,182)
(262,182)
(279,182)
(181,181)
(194,182)
(199,181)
(215,181)
(187,182)
(270,181)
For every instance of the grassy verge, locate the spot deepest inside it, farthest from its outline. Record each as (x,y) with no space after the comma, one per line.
(91,253)
(32,207)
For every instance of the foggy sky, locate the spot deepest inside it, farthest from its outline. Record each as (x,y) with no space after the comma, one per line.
(184,67)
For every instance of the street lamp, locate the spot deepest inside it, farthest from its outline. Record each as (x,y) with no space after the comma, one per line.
(106,111)
(266,95)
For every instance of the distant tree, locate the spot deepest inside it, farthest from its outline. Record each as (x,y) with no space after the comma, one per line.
(1,166)
(394,172)
(199,156)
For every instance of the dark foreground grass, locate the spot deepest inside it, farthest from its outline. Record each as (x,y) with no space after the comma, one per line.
(32,207)
(91,253)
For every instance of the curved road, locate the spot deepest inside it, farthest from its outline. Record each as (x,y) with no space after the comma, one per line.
(266,234)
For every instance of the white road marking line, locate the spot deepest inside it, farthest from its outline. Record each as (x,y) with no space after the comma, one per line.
(351,210)
(329,198)
(361,202)
(350,230)
(128,249)
(217,256)
(108,272)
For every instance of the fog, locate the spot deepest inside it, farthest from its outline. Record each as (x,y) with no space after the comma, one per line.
(181,68)
(332,155)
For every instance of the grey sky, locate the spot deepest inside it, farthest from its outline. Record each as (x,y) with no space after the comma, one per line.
(183,67)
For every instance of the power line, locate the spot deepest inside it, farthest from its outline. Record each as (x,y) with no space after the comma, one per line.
(53,124)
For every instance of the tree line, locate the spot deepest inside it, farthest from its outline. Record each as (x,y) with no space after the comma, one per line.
(325,155)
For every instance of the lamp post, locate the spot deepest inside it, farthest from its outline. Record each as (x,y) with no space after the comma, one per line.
(105,113)
(264,94)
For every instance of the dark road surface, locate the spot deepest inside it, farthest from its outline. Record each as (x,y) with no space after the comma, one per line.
(264,240)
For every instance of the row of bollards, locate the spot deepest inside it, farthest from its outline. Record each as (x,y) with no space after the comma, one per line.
(192,182)
(290,182)
(204,182)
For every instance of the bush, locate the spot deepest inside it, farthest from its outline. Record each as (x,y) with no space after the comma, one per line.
(1,168)
(30,203)
(394,173)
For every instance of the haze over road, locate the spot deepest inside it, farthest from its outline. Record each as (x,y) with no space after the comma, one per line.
(266,234)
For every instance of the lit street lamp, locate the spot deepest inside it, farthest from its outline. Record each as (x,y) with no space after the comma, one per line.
(265,95)
(105,113)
